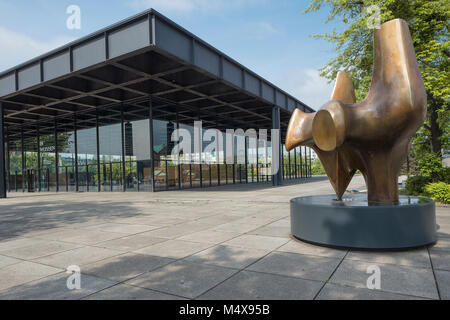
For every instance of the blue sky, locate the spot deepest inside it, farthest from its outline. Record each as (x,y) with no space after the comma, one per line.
(271,37)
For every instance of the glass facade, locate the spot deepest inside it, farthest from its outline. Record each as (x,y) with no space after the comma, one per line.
(112,152)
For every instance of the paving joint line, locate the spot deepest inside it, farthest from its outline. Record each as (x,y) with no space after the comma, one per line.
(331,275)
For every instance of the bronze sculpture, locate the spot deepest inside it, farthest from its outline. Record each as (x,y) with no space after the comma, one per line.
(373,135)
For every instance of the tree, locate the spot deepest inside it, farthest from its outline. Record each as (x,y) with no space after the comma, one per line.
(317,168)
(429,27)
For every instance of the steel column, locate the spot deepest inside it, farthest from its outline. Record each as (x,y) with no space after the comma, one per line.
(295,163)
(8,162)
(122,130)
(277,177)
(76,150)
(22,142)
(39,157)
(152,155)
(289,164)
(97,138)
(56,157)
(246,158)
(257,160)
(310,163)
(200,143)
(179,161)
(2,155)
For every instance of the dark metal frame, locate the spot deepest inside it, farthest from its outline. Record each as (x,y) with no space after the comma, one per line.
(152,76)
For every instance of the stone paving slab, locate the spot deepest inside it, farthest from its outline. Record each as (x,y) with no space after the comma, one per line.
(125,266)
(178,230)
(210,236)
(7,261)
(237,227)
(413,258)
(17,243)
(55,288)
(217,219)
(23,272)
(440,259)
(442,243)
(272,231)
(183,279)
(90,237)
(300,247)
(443,281)
(339,292)
(122,228)
(127,292)
(412,281)
(130,243)
(297,265)
(247,285)
(79,257)
(175,249)
(39,249)
(229,242)
(228,256)
(256,242)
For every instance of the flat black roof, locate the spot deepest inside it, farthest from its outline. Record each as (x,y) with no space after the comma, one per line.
(142,56)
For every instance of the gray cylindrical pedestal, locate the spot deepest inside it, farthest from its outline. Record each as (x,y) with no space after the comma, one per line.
(352,223)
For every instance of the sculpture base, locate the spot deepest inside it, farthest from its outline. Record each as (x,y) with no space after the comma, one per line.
(352,223)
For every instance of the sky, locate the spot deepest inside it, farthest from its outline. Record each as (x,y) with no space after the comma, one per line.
(270,37)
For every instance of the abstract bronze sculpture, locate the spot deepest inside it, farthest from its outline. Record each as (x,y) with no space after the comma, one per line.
(373,135)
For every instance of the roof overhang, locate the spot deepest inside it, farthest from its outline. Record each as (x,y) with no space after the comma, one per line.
(144,56)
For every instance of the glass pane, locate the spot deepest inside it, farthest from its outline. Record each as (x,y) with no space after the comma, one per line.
(110,138)
(160,175)
(15,165)
(87,159)
(214,175)
(185,176)
(137,147)
(172,172)
(195,175)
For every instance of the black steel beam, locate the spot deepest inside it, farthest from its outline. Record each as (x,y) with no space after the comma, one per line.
(2,156)
(152,154)
(277,176)
(75,130)
(39,156)
(97,145)
(56,156)
(122,141)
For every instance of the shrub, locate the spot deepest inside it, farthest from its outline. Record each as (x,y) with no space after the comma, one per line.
(439,191)
(431,166)
(445,175)
(415,185)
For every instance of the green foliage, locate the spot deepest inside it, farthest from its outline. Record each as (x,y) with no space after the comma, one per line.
(430,165)
(429,27)
(415,185)
(317,168)
(439,191)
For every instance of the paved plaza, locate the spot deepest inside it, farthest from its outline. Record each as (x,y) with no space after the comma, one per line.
(228,242)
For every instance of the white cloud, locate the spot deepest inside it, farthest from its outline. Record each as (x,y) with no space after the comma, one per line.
(18,47)
(308,86)
(187,6)
(262,30)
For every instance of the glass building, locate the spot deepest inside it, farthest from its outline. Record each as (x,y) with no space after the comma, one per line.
(101,113)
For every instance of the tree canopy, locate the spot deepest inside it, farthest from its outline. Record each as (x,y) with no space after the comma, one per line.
(428,22)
